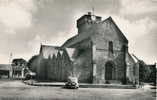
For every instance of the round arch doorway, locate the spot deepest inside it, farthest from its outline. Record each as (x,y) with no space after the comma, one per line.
(109,70)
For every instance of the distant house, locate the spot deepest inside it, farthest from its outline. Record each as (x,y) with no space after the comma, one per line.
(5,70)
(97,54)
(18,66)
(14,70)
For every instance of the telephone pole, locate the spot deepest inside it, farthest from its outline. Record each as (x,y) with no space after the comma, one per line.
(10,58)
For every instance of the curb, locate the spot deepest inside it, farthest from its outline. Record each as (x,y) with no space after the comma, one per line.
(111,86)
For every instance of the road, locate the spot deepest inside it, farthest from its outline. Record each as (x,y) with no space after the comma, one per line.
(17,90)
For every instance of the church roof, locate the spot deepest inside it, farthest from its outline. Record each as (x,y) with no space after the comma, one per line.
(117,28)
(80,37)
(131,58)
(71,53)
(76,39)
(48,50)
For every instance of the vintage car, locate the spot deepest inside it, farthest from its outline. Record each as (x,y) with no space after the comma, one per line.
(72,83)
(30,75)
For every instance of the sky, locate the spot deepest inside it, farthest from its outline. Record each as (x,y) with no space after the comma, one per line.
(25,24)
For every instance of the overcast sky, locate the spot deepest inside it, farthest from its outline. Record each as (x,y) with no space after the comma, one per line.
(25,24)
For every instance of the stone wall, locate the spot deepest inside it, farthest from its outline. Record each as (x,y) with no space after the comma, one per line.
(131,68)
(83,61)
(104,33)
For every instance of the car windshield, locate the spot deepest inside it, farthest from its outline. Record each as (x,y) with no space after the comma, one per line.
(73,79)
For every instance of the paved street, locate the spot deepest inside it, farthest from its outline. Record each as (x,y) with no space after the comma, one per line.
(16,90)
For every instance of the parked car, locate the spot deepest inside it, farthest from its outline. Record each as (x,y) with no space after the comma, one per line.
(30,75)
(72,83)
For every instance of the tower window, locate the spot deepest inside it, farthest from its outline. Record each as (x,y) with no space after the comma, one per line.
(110,47)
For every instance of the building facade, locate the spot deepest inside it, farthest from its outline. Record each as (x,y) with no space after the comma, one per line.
(53,63)
(5,71)
(97,54)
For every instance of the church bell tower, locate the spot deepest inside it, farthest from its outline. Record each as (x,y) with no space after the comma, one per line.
(86,21)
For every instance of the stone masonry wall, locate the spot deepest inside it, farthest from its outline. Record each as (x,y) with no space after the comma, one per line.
(83,62)
(104,33)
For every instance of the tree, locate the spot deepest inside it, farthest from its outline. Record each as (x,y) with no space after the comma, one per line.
(32,63)
(152,77)
(19,62)
(144,72)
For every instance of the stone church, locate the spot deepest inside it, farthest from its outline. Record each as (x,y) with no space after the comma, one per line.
(97,54)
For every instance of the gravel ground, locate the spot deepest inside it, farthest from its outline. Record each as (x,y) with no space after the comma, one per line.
(17,90)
